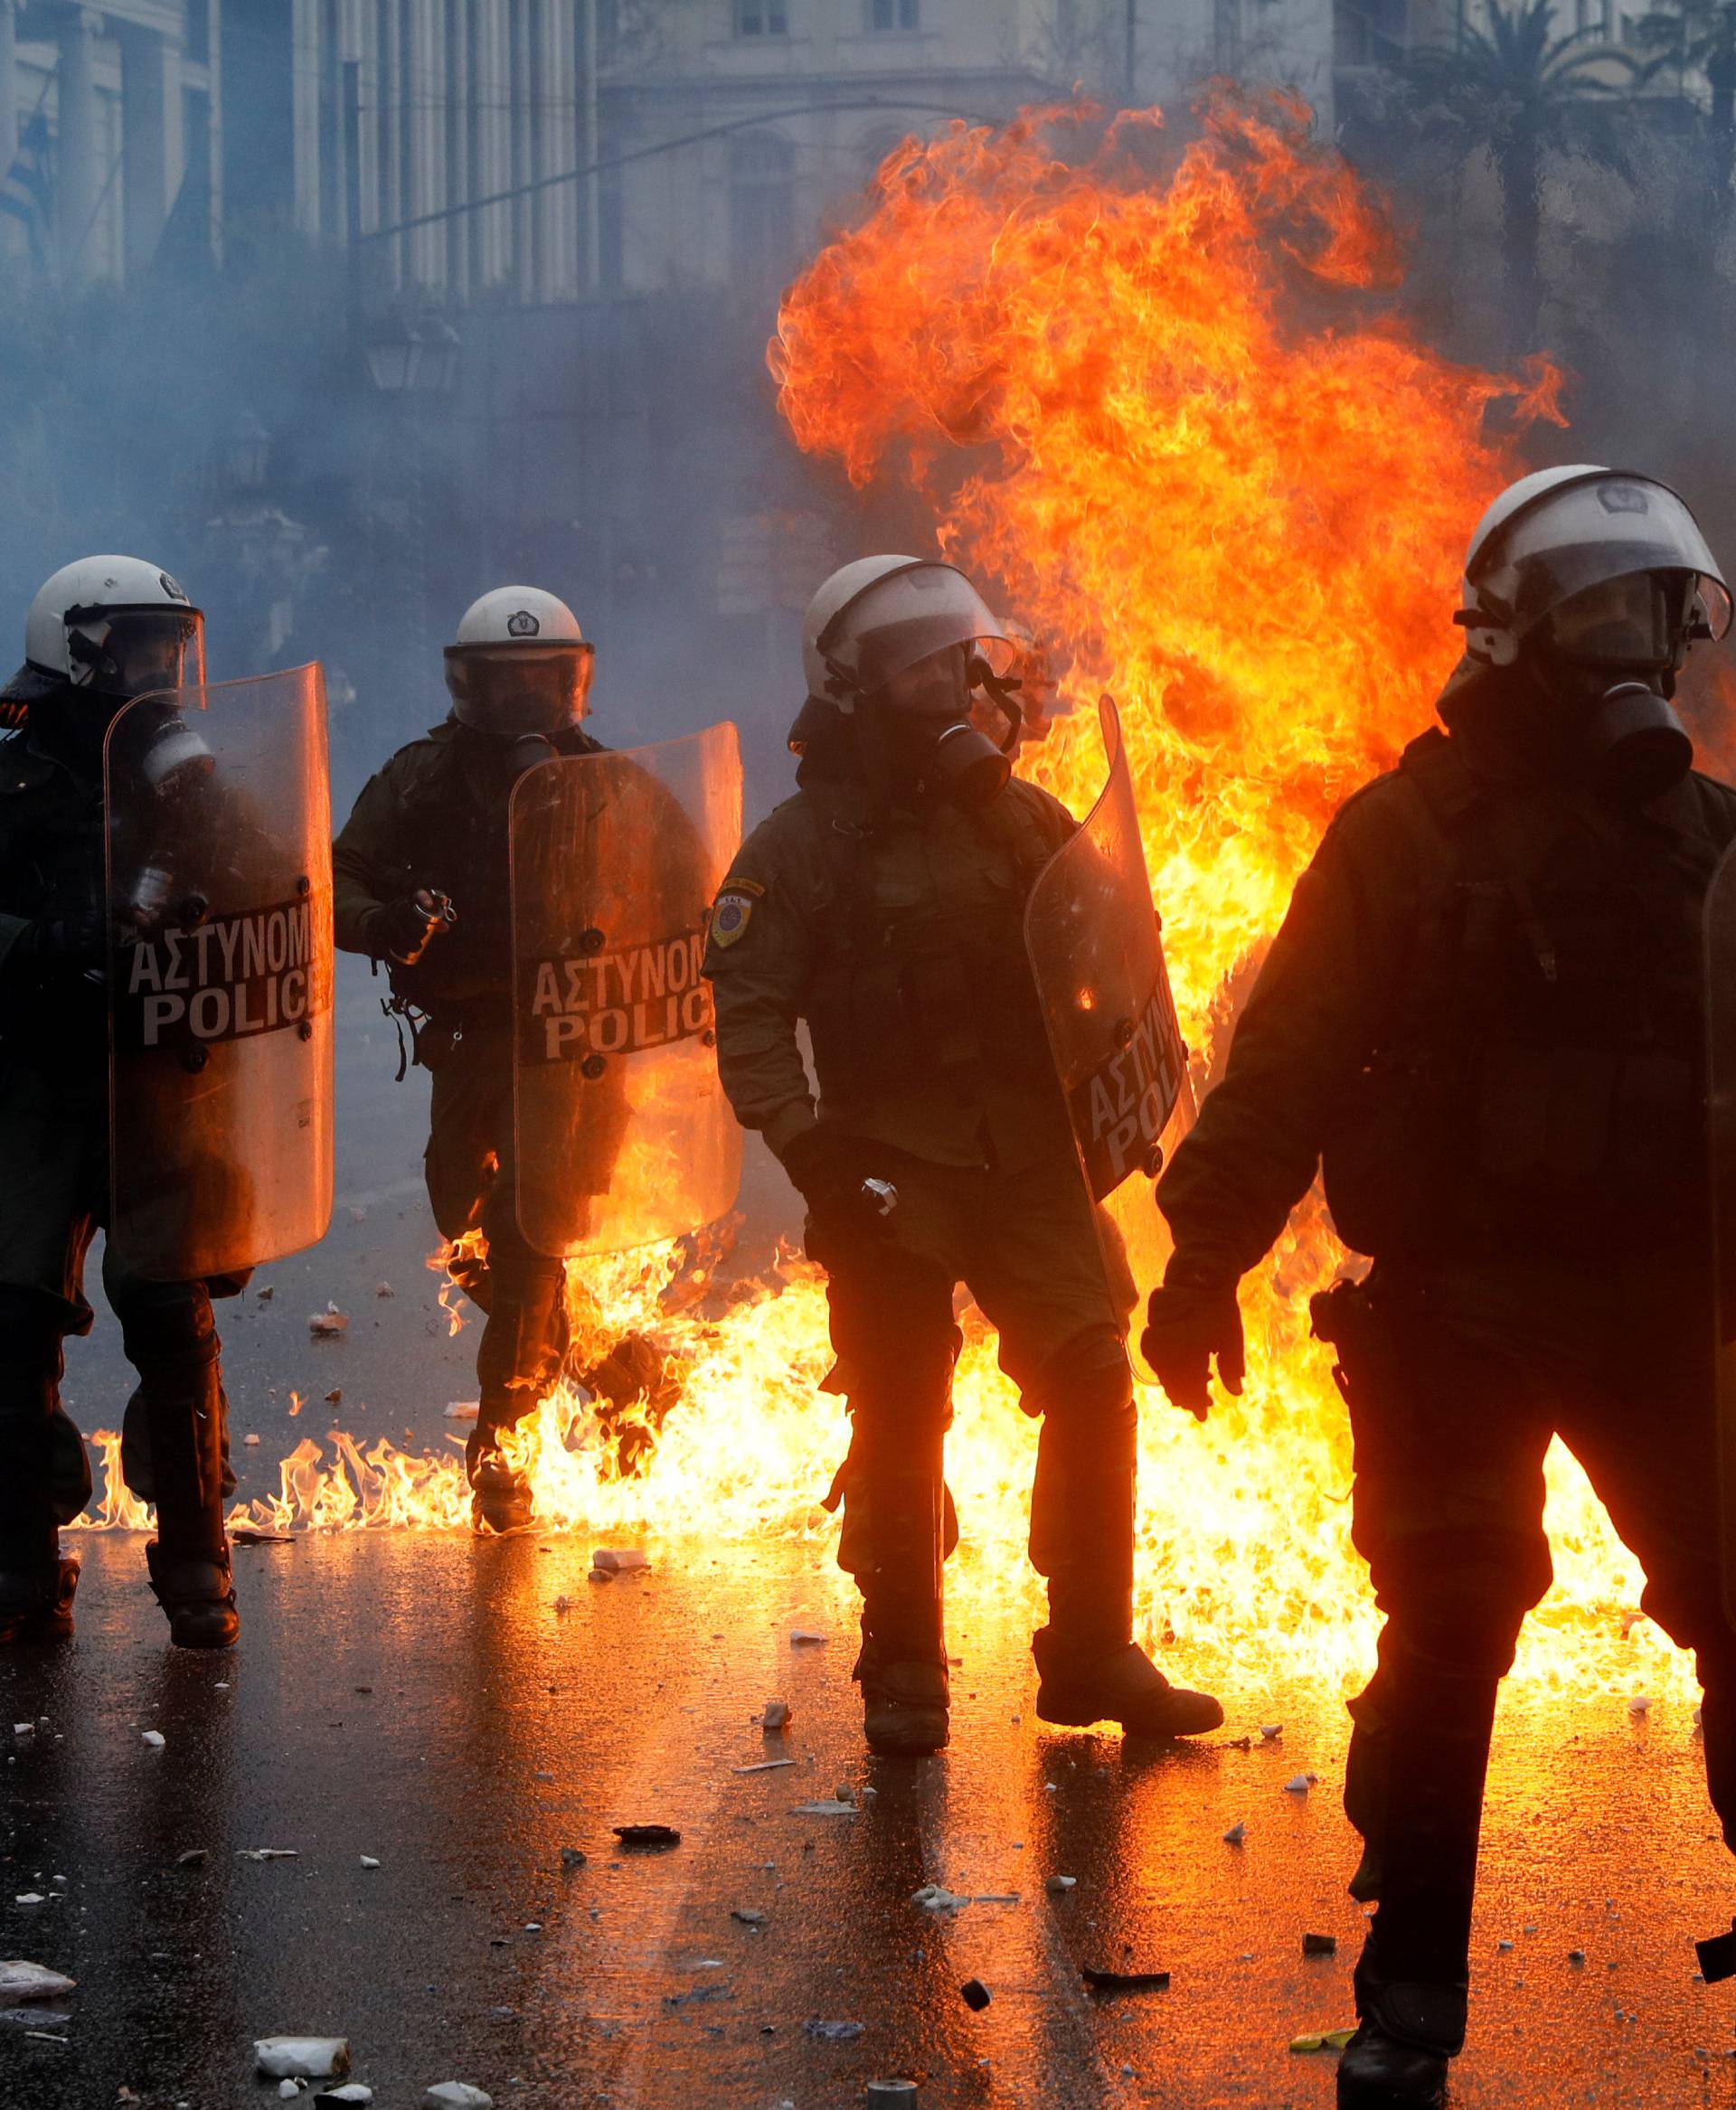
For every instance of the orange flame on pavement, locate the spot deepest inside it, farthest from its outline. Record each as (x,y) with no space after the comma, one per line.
(1161,395)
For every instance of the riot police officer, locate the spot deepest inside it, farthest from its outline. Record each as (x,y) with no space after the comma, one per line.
(101,632)
(423,885)
(884,905)
(1485,1013)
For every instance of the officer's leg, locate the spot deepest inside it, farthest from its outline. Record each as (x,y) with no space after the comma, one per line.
(1649,1449)
(50,1144)
(1054,1283)
(1449,1499)
(892,1331)
(170,1337)
(40,1473)
(518,1359)
(468,1099)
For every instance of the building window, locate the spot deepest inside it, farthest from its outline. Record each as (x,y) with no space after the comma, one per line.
(763,206)
(893,15)
(1371,33)
(762,18)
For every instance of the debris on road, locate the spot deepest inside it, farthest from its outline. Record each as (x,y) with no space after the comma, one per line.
(268,1853)
(385,1289)
(975,1994)
(351,2092)
(1270,1731)
(29,1898)
(368,1861)
(1057,1884)
(1323,2041)
(749,1915)
(1235,1835)
(328,1324)
(573,1857)
(834,2032)
(1124,1981)
(20,1981)
(775,1720)
(805,1637)
(890,2091)
(936,1897)
(1299,1784)
(307,2059)
(1317,1944)
(463,1409)
(827,1806)
(154,1737)
(457,2095)
(252,1441)
(1639,1705)
(620,1559)
(255,1535)
(652,1836)
(764,1765)
(195,1857)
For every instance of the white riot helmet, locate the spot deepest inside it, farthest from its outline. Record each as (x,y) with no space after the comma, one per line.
(875,617)
(1608,569)
(118,626)
(520,664)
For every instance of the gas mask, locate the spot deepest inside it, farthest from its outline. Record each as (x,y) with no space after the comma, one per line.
(923,721)
(1609,657)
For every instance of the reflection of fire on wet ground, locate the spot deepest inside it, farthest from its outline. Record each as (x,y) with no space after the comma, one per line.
(1163,398)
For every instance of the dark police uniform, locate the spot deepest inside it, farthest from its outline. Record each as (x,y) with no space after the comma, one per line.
(55,1144)
(436,817)
(897,936)
(1485,1013)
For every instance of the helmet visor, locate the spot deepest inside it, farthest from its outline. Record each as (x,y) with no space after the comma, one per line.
(906,617)
(1642,621)
(513,689)
(1610,528)
(134,652)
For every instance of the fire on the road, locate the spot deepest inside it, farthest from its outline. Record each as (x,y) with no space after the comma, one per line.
(1162,399)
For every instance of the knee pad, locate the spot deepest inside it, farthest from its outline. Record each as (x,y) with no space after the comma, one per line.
(165,1326)
(1088,1380)
(1465,1627)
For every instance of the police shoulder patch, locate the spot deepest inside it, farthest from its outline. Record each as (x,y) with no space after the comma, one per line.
(732,910)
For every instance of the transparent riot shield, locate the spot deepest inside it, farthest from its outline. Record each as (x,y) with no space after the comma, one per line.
(622,1134)
(220,975)
(1721,1072)
(1098,959)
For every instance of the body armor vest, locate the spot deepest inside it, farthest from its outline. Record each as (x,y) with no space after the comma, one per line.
(1541,1077)
(911,983)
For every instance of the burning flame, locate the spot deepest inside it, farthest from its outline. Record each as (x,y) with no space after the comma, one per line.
(1163,396)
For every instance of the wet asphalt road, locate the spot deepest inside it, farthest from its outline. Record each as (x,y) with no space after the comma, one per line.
(429,1701)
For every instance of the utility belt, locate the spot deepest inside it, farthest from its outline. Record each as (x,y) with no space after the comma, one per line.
(430,1036)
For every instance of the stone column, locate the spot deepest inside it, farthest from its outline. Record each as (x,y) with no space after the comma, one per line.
(78,151)
(151,142)
(491,226)
(8,85)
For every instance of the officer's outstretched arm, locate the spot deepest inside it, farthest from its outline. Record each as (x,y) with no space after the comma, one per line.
(1316,1015)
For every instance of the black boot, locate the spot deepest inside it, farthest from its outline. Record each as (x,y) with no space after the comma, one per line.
(1090,1668)
(501,1500)
(37,1606)
(893,1544)
(1407,2031)
(189,1558)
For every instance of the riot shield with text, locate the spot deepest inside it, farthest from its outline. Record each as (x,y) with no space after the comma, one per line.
(1721,1074)
(622,1133)
(220,975)
(1092,935)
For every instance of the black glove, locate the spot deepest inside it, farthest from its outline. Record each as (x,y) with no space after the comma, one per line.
(404,928)
(1193,1317)
(76,942)
(830,1168)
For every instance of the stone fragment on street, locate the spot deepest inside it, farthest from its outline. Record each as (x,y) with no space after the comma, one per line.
(651,1837)
(457,2095)
(620,1560)
(834,2032)
(775,1718)
(23,1980)
(301,2057)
